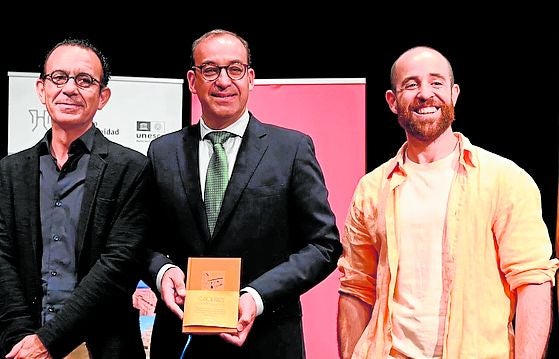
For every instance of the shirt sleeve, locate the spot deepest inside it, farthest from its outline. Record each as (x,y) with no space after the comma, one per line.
(521,234)
(359,259)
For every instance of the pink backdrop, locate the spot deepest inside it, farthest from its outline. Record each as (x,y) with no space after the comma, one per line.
(332,112)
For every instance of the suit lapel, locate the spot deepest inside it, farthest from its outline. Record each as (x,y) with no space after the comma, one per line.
(252,149)
(95,170)
(189,170)
(31,190)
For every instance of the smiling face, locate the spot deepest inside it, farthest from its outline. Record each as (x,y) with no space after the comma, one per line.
(223,100)
(70,107)
(424,94)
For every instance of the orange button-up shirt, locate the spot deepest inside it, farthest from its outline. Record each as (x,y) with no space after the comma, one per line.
(497,241)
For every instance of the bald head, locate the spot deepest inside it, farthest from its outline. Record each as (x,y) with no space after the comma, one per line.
(418,56)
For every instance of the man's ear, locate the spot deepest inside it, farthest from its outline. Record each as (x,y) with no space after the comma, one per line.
(104,97)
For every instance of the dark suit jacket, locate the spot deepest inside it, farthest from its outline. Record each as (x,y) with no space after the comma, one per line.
(275,216)
(112,226)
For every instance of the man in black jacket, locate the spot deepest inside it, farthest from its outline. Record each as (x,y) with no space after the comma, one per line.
(274,213)
(72,220)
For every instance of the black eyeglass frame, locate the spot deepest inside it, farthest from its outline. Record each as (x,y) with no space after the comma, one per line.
(75,78)
(226,67)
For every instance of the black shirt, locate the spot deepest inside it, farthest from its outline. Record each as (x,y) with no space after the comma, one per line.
(61,197)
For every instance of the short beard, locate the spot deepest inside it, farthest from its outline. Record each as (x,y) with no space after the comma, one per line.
(426,130)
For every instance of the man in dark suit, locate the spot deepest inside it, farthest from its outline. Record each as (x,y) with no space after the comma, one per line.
(275,214)
(73,216)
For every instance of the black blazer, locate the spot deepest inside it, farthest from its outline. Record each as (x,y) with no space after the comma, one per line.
(275,216)
(112,226)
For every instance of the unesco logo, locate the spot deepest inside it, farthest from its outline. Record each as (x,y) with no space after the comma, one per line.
(149,130)
(150,126)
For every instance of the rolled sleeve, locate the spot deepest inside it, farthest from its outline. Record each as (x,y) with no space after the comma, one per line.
(358,262)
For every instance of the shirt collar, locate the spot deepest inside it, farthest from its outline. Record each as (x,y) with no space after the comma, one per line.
(84,143)
(237,128)
(467,158)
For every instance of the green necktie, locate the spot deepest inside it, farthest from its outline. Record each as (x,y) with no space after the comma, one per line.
(216,177)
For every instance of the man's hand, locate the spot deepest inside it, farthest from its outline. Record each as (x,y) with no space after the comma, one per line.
(173,290)
(29,347)
(247,314)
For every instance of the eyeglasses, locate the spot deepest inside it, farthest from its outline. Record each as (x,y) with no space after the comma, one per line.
(82,79)
(210,72)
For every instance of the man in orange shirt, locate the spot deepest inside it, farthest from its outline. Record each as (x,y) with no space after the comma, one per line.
(444,245)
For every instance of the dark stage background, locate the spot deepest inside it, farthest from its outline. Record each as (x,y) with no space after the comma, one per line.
(507,70)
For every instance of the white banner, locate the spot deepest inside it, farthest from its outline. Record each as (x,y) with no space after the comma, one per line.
(139,110)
